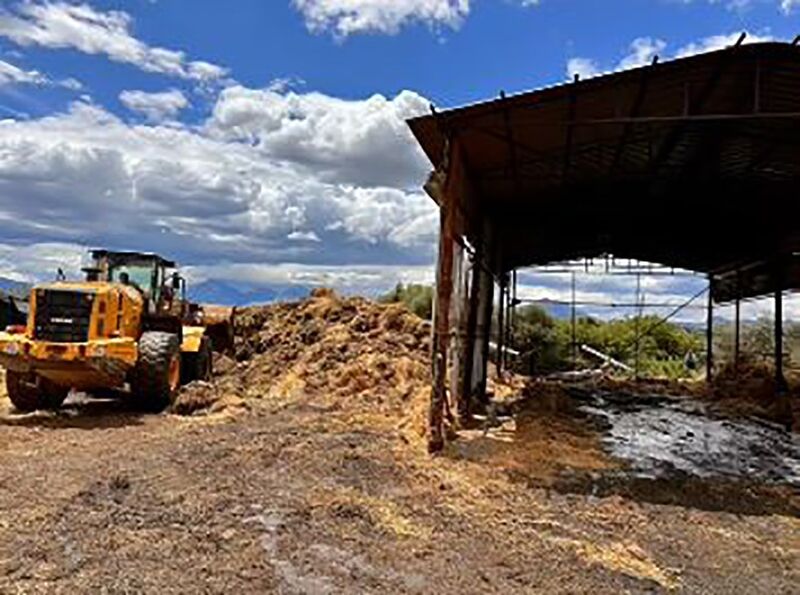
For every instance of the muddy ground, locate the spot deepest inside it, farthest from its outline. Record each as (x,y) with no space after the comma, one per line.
(302,469)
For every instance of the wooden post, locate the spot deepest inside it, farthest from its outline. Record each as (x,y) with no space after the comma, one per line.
(441,337)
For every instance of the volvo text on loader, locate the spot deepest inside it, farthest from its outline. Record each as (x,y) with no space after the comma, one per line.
(128,323)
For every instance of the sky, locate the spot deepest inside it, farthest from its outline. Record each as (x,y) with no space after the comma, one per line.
(265,142)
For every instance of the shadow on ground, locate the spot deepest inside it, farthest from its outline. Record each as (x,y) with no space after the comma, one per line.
(79,411)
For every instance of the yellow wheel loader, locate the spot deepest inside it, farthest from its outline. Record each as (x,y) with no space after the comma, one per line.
(128,325)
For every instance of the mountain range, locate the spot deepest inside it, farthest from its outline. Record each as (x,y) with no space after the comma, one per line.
(17,289)
(227,294)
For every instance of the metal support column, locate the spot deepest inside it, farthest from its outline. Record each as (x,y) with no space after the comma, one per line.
(639,309)
(780,379)
(501,305)
(511,296)
(483,332)
(471,340)
(737,335)
(710,332)
(574,326)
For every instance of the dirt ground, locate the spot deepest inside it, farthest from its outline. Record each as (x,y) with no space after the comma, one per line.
(303,469)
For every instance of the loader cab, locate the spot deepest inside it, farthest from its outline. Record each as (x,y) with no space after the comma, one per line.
(163,291)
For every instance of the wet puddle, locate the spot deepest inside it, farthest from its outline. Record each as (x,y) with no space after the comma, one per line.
(661,438)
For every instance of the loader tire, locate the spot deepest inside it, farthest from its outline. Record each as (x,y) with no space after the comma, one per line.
(156,377)
(200,365)
(29,392)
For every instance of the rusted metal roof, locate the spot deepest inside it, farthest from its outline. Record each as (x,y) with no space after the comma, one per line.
(692,163)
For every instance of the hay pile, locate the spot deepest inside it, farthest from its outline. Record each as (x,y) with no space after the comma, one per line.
(751,389)
(751,380)
(337,351)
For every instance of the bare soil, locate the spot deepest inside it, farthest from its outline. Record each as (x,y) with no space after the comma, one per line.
(302,469)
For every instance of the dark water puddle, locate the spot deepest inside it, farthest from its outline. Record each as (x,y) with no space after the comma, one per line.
(662,437)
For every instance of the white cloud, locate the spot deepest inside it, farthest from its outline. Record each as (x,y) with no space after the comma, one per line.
(642,52)
(643,49)
(348,17)
(303,236)
(155,106)
(10,74)
(39,262)
(353,278)
(787,6)
(232,190)
(718,42)
(363,143)
(14,75)
(344,18)
(59,24)
(583,68)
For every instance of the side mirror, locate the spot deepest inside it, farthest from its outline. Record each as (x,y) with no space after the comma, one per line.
(176,281)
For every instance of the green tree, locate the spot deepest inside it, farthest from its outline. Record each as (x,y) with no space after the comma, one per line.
(536,336)
(545,343)
(417,298)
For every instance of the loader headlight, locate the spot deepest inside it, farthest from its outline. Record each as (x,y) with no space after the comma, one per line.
(12,349)
(99,351)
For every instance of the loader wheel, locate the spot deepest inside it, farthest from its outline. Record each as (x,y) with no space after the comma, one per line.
(156,378)
(200,365)
(29,392)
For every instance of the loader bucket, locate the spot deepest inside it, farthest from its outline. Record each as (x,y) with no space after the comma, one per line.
(218,321)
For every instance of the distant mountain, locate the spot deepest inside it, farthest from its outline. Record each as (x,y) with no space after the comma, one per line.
(228,294)
(208,292)
(700,325)
(558,310)
(16,289)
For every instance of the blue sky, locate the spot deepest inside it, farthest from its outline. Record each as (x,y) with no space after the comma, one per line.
(498,45)
(266,140)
